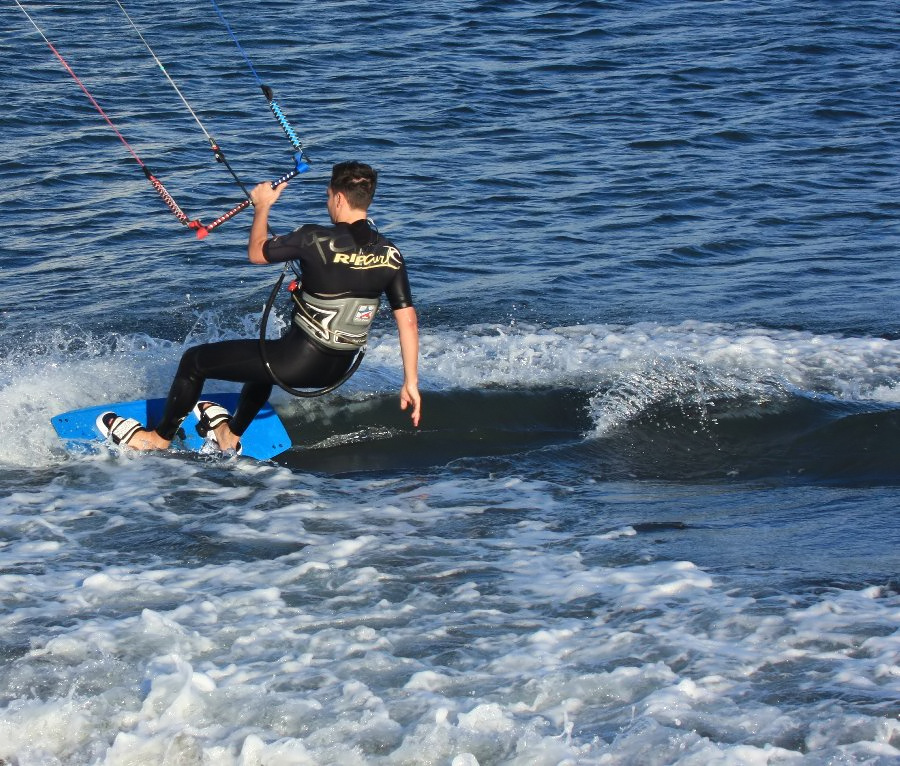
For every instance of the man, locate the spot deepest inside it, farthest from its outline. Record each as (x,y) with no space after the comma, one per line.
(345,268)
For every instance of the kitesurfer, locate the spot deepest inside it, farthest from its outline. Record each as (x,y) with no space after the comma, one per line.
(345,268)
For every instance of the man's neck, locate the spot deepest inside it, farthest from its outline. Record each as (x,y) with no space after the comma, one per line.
(351,215)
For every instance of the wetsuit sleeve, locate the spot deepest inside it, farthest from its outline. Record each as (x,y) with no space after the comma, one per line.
(398,292)
(290,247)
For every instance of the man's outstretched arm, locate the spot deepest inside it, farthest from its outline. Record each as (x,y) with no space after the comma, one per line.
(408,328)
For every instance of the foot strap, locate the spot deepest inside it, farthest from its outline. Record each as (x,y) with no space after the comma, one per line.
(209,417)
(118,429)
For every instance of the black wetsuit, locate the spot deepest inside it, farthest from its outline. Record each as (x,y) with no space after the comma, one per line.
(335,261)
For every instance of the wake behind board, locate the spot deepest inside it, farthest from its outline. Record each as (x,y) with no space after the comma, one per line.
(264,439)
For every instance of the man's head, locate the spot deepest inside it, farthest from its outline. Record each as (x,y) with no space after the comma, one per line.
(356,181)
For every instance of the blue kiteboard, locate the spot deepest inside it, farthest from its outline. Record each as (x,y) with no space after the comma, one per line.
(264,439)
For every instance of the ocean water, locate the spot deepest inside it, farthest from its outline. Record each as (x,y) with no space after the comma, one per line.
(651,513)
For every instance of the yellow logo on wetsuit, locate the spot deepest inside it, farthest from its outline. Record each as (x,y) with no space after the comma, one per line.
(388,258)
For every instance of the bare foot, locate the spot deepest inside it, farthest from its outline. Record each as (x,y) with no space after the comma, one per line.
(226,439)
(209,413)
(145,441)
(128,432)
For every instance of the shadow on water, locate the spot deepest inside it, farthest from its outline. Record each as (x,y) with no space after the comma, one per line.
(551,432)
(460,424)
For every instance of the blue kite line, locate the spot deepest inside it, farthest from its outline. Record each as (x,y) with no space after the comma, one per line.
(237,43)
(300,158)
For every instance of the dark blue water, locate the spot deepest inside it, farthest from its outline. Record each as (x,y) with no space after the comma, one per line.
(650,514)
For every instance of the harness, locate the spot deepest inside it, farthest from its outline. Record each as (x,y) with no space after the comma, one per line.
(340,323)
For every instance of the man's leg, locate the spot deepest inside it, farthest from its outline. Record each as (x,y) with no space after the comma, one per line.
(253,397)
(233,360)
(295,359)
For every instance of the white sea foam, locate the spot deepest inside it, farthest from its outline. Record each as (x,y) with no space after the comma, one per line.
(532,356)
(405,621)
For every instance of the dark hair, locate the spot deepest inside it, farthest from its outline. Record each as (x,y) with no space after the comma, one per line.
(356,181)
